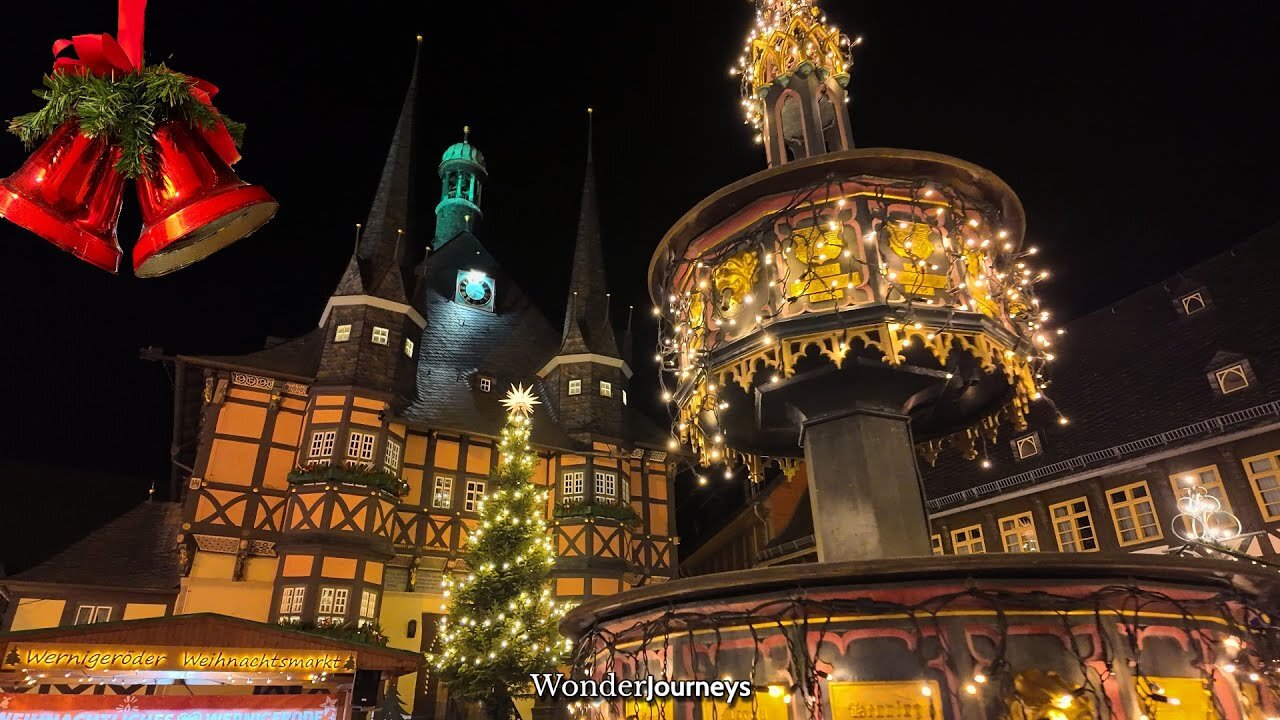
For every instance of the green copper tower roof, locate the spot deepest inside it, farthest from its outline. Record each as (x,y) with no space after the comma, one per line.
(463,152)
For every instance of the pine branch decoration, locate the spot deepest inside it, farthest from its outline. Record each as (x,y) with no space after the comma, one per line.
(125,109)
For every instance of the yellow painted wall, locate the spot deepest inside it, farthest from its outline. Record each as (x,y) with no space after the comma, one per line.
(33,613)
(231,461)
(398,608)
(138,611)
(211,589)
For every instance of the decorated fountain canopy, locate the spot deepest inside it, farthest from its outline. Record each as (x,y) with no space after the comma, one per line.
(896,270)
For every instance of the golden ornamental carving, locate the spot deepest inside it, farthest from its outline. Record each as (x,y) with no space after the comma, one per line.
(733,281)
(1040,694)
(817,245)
(793,33)
(914,242)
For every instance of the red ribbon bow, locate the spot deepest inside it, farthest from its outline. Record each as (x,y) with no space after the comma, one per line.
(102,55)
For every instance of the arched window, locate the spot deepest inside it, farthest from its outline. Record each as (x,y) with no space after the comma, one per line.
(451,184)
(790,114)
(829,122)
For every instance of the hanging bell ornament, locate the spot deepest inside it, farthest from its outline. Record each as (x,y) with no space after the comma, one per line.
(69,193)
(192,204)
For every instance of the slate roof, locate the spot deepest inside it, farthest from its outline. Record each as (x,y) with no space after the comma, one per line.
(586,321)
(137,551)
(299,357)
(509,345)
(1141,367)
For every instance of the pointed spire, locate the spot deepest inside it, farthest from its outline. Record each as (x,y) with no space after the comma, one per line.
(586,322)
(391,212)
(351,282)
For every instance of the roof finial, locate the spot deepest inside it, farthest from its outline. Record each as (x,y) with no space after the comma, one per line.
(591,127)
(466,133)
(419,39)
(358,226)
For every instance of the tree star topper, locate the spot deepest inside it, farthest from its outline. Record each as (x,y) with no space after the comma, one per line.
(520,400)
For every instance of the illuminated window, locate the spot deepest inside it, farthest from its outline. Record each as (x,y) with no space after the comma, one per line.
(442,494)
(89,614)
(322,443)
(333,605)
(343,333)
(573,486)
(606,389)
(408,347)
(360,447)
(486,384)
(624,397)
(606,485)
(1027,446)
(392,458)
(575,387)
(1264,474)
(368,607)
(968,541)
(1134,514)
(381,336)
(1207,479)
(1231,379)
(291,603)
(1018,533)
(475,493)
(936,542)
(1073,526)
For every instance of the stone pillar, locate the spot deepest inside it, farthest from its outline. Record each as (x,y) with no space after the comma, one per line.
(865,488)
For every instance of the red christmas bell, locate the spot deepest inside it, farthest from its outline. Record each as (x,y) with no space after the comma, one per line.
(192,204)
(69,193)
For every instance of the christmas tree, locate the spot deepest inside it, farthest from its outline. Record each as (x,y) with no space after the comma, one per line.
(391,708)
(502,621)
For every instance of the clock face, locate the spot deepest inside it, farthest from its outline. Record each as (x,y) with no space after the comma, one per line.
(475,289)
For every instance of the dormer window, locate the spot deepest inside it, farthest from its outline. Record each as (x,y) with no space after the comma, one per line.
(381,336)
(1231,378)
(606,389)
(342,334)
(1027,446)
(1193,303)
(408,347)
(575,387)
(485,383)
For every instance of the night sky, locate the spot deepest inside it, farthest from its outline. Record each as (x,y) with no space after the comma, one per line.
(1139,142)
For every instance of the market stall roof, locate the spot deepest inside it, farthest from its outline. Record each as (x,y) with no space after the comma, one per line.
(207,633)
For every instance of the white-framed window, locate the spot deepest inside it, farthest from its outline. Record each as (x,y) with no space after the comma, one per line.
(342,334)
(89,614)
(333,605)
(322,443)
(442,493)
(368,607)
(360,447)
(486,384)
(408,347)
(606,389)
(573,486)
(575,387)
(392,457)
(381,336)
(475,493)
(291,602)
(606,485)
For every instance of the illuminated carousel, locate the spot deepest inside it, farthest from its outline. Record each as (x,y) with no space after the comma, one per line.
(850,311)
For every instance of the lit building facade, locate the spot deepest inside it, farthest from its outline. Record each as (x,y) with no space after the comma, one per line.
(333,479)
